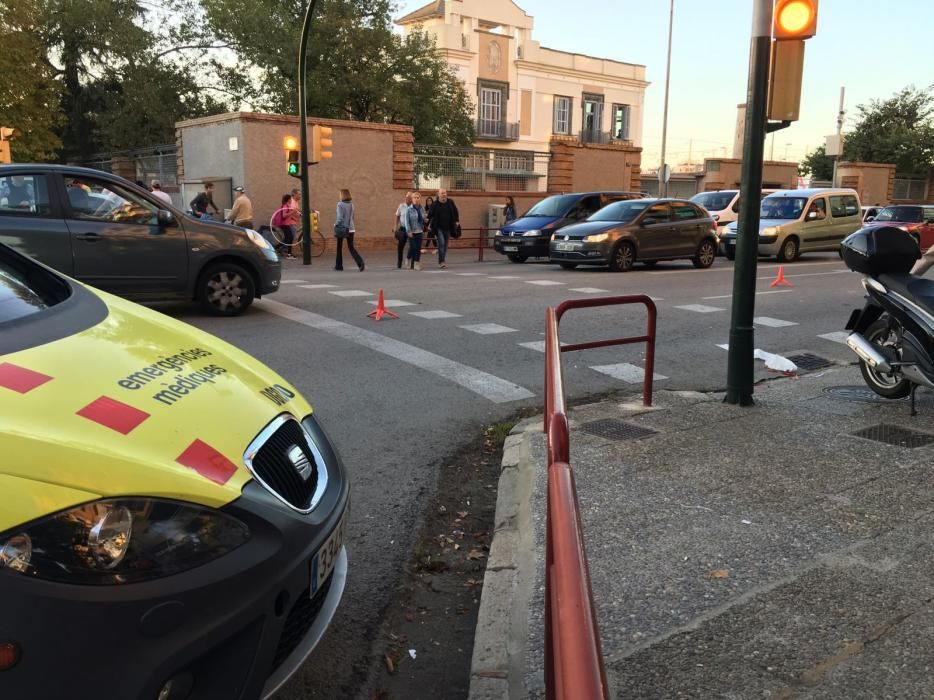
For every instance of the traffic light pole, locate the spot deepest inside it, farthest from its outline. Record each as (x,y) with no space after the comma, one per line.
(303,129)
(740,363)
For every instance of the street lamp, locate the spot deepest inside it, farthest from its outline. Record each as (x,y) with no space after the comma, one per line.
(663,170)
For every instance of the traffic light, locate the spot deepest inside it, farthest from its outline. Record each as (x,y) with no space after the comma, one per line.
(794,19)
(292,156)
(6,134)
(321,143)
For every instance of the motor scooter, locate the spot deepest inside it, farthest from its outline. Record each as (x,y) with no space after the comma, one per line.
(893,334)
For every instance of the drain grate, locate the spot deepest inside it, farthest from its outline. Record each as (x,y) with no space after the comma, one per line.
(858,393)
(809,362)
(616,429)
(895,435)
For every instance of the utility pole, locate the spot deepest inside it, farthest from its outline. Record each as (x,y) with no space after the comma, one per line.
(663,181)
(740,362)
(303,132)
(840,115)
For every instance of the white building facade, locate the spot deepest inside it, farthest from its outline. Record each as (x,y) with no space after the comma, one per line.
(526,95)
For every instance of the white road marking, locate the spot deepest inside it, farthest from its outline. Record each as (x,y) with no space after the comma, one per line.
(352,293)
(730,296)
(434,314)
(700,308)
(319,286)
(545,283)
(505,277)
(631,374)
(836,336)
(590,290)
(488,328)
(536,345)
(292,281)
(725,268)
(486,385)
(724,346)
(772,322)
(470,274)
(393,302)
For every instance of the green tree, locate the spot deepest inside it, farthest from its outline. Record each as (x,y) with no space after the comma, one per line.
(29,96)
(359,67)
(898,130)
(817,164)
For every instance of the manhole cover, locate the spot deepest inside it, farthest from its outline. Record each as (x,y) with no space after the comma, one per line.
(857,392)
(616,429)
(895,435)
(809,362)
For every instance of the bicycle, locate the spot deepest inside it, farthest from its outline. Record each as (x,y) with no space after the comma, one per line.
(318,241)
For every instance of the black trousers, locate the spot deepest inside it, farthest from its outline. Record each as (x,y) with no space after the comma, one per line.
(339,262)
(400,249)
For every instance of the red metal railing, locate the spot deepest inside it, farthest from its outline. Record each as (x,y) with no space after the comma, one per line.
(573,657)
(480,242)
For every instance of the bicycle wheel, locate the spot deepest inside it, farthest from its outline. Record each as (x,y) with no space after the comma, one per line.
(318,244)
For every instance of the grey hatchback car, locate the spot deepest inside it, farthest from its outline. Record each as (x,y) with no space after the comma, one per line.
(111,234)
(638,230)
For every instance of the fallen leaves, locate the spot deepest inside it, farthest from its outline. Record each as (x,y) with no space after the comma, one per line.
(475,554)
(720,573)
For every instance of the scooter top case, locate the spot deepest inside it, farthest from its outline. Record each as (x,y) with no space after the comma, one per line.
(880,250)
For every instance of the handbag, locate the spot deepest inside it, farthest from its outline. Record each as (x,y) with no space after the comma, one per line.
(456,233)
(401,234)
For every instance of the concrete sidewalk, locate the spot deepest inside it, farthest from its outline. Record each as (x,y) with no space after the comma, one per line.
(734,552)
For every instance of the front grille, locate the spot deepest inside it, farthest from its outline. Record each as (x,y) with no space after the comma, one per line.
(272,466)
(299,621)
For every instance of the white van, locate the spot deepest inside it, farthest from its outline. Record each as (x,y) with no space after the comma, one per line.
(723,205)
(801,221)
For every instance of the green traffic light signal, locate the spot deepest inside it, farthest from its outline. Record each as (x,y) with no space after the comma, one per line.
(293,169)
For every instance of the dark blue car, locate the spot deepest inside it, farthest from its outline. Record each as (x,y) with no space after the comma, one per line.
(529,235)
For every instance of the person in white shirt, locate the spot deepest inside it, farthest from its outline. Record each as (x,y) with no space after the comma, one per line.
(159,194)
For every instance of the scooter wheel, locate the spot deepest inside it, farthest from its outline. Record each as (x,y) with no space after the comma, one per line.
(891,386)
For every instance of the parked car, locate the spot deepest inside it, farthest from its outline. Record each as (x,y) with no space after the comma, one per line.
(172,514)
(529,235)
(112,234)
(723,205)
(916,219)
(801,221)
(641,230)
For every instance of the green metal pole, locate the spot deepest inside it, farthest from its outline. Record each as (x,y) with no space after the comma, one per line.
(742,341)
(303,131)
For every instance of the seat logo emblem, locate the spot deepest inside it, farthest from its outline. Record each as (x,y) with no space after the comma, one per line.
(298,459)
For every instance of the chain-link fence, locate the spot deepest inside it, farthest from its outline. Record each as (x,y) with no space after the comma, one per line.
(480,169)
(910,188)
(153,163)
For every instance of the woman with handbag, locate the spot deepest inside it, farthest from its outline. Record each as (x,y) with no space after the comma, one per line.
(344,229)
(399,231)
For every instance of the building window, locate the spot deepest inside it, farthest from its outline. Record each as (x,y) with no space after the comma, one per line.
(620,122)
(592,118)
(492,121)
(562,120)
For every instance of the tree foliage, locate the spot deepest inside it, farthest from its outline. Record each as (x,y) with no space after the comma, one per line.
(817,164)
(898,130)
(28,95)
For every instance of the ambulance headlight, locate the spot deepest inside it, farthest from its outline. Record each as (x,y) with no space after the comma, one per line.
(118,541)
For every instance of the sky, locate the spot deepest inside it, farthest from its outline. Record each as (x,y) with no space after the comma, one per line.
(871,48)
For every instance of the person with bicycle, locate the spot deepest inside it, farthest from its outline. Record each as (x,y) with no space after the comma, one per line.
(283,220)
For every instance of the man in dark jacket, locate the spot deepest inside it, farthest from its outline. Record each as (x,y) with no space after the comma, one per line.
(199,205)
(444,219)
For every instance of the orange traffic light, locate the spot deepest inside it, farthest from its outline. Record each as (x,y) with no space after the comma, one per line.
(794,19)
(321,143)
(292,156)
(6,134)
(290,143)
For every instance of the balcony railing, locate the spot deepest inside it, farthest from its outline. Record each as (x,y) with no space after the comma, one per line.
(600,137)
(497,131)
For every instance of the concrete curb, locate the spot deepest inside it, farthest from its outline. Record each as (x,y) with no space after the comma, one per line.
(498,663)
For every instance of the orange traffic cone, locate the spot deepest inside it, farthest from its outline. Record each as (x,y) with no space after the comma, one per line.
(381,309)
(780,279)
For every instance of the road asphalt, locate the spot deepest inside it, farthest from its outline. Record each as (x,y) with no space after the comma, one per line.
(767,551)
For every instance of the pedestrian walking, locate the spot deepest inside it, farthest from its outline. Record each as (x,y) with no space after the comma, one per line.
(344,230)
(445,219)
(202,201)
(241,213)
(509,211)
(159,194)
(429,234)
(282,220)
(415,228)
(399,230)
(295,204)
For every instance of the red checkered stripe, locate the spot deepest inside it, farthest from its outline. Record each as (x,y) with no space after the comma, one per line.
(124,419)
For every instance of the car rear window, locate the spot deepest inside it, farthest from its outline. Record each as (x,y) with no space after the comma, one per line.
(714,201)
